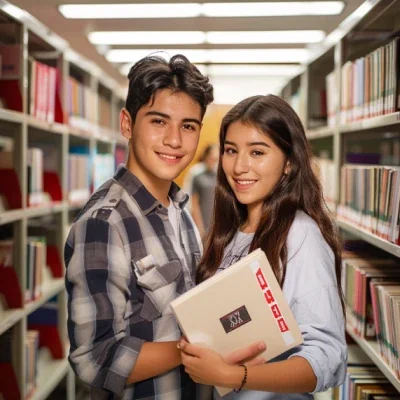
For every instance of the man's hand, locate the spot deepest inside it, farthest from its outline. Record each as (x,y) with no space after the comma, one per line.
(249,355)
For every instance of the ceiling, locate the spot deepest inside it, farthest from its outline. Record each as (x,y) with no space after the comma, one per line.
(75,31)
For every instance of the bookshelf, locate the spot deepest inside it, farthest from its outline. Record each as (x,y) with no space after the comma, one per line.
(75,120)
(360,120)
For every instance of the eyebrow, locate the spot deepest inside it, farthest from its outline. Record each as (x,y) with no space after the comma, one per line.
(249,144)
(166,116)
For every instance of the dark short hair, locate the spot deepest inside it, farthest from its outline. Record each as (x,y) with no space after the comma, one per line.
(154,73)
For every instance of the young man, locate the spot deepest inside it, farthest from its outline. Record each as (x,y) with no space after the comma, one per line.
(134,248)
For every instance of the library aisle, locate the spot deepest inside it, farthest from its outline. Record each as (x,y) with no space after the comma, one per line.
(60,140)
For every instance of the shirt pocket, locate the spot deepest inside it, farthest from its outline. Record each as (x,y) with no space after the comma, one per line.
(159,284)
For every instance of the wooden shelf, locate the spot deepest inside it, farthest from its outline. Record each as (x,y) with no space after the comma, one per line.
(56,128)
(369,237)
(11,116)
(371,350)
(7,217)
(8,318)
(50,373)
(319,133)
(381,121)
(50,289)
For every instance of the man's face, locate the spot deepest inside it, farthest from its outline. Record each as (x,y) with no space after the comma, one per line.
(164,137)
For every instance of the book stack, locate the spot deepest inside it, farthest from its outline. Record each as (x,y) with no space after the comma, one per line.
(31,356)
(36,194)
(44,92)
(331,97)
(365,382)
(370,197)
(35,267)
(79,175)
(327,174)
(371,285)
(81,102)
(370,84)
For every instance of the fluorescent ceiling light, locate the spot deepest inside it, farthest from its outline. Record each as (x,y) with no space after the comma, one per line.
(215,56)
(252,70)
(265,37)
(146,38)
(272,9)
(112,11)
(189,10)
(197,37)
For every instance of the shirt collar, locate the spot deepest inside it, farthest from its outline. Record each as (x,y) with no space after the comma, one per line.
(146,201)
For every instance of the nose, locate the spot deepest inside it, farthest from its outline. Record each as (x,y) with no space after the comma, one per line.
(173,137)
(241,165)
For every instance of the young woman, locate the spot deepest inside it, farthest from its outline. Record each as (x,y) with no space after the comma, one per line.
(268,197)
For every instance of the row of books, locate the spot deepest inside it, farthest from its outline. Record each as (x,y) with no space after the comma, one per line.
(31,357)
(365,382)
(43,263)
(35,175)
(331,98)
(35,264)
(44,92)
(79,176)
(42,341)
(44,186)
(371,284)
(8,384)
(370,197)
(326,171)
(81,100)
(370,85)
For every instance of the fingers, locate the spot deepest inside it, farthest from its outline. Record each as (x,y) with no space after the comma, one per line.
(245,353)
(190,349)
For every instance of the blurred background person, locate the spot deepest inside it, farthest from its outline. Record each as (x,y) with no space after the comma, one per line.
(203,188)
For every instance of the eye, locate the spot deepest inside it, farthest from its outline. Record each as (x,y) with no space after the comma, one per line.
(189,127)
(257,153)
(229,150)
(158,121)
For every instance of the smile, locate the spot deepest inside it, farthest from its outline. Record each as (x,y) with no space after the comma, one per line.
(244,184)
(170,158)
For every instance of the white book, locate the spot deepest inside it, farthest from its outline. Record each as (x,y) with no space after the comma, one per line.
(239,306)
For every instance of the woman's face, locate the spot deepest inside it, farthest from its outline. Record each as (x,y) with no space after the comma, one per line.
(252,162)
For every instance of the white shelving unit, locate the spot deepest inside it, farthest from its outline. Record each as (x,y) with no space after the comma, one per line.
(342,45)
(24,130)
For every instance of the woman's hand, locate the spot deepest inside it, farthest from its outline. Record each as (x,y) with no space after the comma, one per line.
(208,367)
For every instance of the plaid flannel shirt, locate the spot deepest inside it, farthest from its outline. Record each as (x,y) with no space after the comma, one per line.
(111,310)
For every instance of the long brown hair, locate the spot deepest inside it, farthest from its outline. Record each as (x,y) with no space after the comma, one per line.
(298,190)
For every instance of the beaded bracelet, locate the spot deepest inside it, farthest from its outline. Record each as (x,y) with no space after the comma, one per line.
(244,379)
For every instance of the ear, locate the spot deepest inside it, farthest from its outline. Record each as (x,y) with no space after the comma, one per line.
(287,168)
(125,123)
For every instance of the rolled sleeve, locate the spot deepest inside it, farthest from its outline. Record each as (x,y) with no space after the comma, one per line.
(98,276)
(321,323)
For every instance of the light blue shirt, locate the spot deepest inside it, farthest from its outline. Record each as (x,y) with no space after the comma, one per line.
(311,290)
